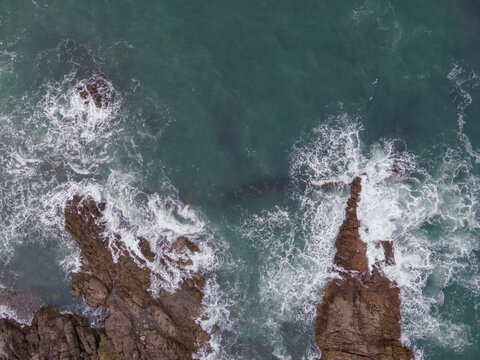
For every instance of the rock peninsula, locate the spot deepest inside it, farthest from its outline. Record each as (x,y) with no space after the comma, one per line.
(358,318)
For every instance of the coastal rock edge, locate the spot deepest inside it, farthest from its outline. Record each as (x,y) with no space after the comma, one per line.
(138,324)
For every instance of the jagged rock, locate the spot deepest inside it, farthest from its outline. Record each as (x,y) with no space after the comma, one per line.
(360,311)
(138,325)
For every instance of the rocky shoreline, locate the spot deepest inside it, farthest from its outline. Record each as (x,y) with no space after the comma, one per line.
(139,325)
(359,315)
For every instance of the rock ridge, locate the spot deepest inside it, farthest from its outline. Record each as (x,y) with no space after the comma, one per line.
(359,315)
(138,324)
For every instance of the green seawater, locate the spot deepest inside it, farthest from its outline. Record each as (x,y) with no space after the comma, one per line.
(208,97)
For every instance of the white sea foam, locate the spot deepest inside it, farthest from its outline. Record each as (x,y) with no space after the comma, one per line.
(160,219)
(46,143)
(216,312)
(7,312)
(402,212)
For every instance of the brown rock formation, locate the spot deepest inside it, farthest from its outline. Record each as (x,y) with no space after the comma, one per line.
(138,325)
(360,311)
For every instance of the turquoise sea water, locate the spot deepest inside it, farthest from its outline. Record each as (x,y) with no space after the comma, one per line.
(210,97)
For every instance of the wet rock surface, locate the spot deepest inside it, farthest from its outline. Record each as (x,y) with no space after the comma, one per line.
(359,315)
(94,90)
(138,325)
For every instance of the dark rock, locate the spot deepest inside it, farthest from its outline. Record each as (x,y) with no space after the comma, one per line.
(145,249)
(351,251)
(97,90)
(388,250)
(360,311)
(398,169)
(214,329)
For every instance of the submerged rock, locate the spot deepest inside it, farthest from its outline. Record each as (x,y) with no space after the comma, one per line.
(261,187)
(360,310)
(138,325)
(264,186)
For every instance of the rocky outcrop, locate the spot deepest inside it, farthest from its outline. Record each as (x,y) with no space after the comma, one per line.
(139,325)
(359,315)
(50,336)
(95,90)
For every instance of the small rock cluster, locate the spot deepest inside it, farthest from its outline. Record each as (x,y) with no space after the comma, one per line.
(95,90)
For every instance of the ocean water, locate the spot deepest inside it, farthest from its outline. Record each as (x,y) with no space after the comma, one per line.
(207,98)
